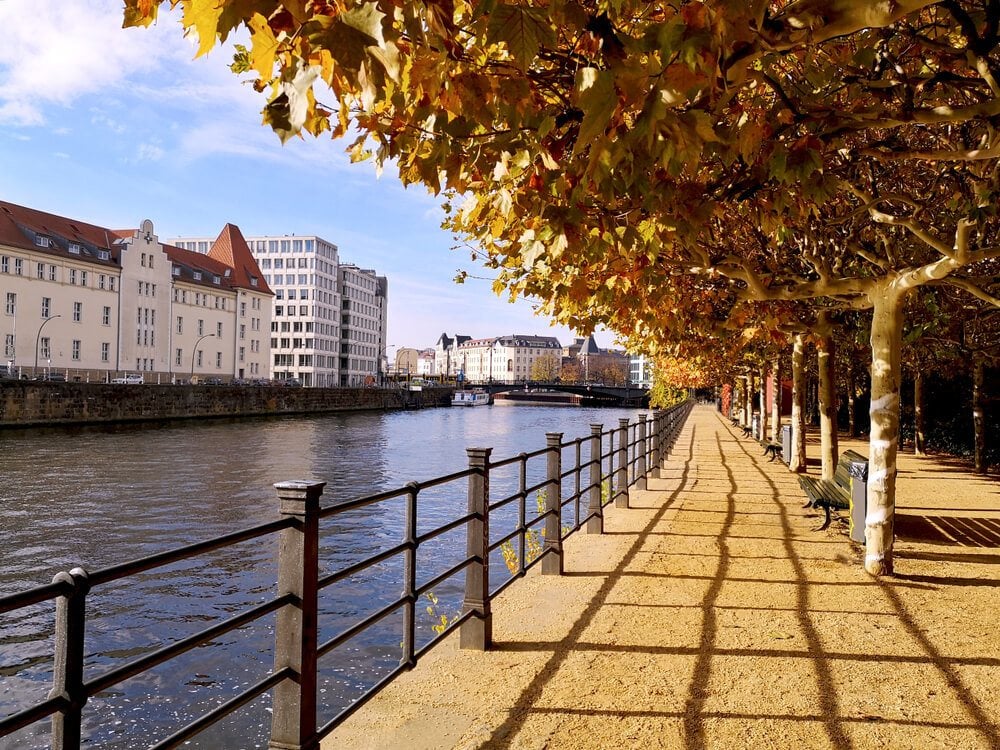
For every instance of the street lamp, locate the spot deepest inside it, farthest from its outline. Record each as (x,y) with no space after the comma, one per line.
(38,338)
(195,352)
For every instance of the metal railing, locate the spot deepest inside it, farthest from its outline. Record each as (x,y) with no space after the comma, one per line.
(603,467)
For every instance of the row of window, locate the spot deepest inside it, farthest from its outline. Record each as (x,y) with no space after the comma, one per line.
(45,348)
(74,276)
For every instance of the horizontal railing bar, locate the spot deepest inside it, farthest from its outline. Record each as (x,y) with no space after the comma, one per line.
(223,710)
(438,481)
(500,542)
(438,637)
(441,577)
(360,502)
(359,626)
(428,535)
(33,596)
(30,715)
(123,570)
(348,711)
(506,501)
(538,486)
(513,577)
(184,645)
(361,565)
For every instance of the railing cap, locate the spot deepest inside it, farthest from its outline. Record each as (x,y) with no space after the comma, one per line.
(300,485)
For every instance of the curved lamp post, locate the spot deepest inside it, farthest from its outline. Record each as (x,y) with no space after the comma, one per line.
(195,352)
(38,338)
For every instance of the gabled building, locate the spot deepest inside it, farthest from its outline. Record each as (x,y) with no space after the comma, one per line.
(505,359)
(445,363)
(93,302)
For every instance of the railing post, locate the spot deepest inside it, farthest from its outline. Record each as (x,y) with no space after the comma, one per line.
(477,632)
(657,442)
(293,725)
(67,670)
(621,476)
(595,512)
(640,453)
(552,562)
(409,593)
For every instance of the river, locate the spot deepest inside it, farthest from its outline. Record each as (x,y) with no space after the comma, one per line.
(94,497)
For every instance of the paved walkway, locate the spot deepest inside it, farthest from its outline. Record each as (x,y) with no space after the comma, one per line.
(711,614)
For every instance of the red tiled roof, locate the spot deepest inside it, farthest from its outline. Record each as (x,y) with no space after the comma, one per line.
(231,248)
(14,219)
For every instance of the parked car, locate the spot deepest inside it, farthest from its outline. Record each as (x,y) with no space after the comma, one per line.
(210,381)
(129,380)
(290,383)
(7,372)
(52,377)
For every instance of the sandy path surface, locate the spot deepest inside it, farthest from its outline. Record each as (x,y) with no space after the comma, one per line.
(711,614)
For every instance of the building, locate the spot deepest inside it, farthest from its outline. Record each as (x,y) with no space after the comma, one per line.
(445,363)
(93,303)
(364,299)
(640,370)
(310,338)
(589,363)
(425,362)
(505,359)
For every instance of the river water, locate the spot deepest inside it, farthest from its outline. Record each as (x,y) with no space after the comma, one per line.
(94,497)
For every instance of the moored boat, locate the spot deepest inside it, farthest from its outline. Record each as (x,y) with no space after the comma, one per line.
(470,398)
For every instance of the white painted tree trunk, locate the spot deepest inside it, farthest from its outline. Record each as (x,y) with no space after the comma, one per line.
(978,420)
(762,432)
(886,342)
(748,393)
(798,457)
(776,403)
(827,404)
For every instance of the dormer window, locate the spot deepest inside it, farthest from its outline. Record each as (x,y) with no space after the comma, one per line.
(197,275)
(253,281)
(43,241)
(74,247)
(216,280)
(176,271)
(103,254)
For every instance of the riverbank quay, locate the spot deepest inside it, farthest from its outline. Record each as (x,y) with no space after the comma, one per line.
(29,404)
(712,614)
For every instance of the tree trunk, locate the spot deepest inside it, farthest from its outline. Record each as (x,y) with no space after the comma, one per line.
(919,439)
(886,342)
(978,421)
(798,462)
(762,433)
(776,403)
(749,401)
(827,400)
(852,423)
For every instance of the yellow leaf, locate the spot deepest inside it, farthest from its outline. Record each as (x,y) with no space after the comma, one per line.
(264,47)
(203,15)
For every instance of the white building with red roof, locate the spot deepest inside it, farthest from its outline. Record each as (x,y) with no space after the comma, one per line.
(94,303)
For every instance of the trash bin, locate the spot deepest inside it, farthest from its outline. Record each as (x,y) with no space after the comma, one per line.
(857,469)
(755,425)
(786,444)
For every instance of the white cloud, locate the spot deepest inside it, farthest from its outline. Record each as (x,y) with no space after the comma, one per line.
(56,52)
(149,152)
(61,154)
(102,120)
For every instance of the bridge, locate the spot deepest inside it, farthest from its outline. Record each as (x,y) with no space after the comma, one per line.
(594,394)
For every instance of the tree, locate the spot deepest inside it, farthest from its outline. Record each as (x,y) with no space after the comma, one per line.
(545,368)
(639,163)
(570,372)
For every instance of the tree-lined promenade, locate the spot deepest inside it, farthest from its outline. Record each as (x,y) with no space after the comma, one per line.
(714,180)
(711,613)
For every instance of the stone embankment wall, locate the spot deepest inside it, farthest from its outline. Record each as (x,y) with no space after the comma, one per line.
(24,403)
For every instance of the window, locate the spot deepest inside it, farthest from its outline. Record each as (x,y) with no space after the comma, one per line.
(106,316)
(11,308)
(253,281)
(176,271)
(199,358)
(40,270)
(180,324)
(83,278)
(197,275)
(243,309)
(18,266)
(218,360)
(102,281)
(8,345)
(242,353)
(77,312)
(74,247)
(5,264)
(243,331)
(72,276)
(43,348)
(201,327)
(179,357)
(150,260)
(76,350)
(111,283)
(52,273)
(105,351)
(43,241)
(218,330)
(143,261)
(104,255)
(46,306)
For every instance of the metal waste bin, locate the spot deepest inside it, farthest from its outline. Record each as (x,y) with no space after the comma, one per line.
(857,469)
(786,444)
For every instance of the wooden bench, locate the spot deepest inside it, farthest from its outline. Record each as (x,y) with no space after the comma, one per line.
(826,494)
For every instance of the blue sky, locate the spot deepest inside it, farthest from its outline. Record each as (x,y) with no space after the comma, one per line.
(114,126)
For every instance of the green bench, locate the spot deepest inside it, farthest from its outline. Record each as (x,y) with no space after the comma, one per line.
(827,494)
